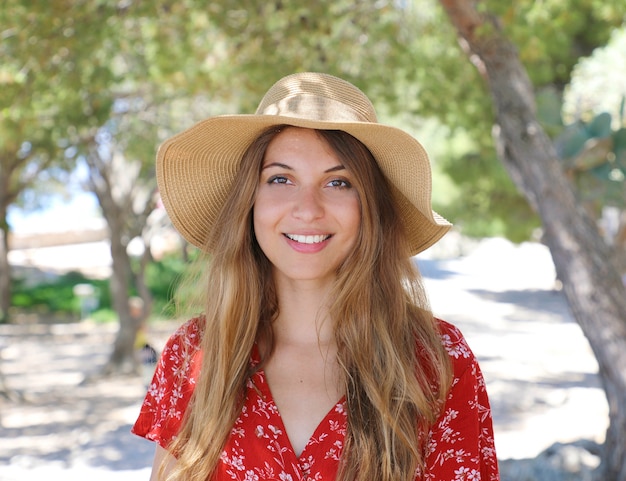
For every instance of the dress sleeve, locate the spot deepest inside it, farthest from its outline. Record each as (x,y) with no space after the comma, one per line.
(461,445)
(172,386)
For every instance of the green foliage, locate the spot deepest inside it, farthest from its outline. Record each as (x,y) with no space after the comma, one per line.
(147,69)
(52,76)
(162,279)
(104,316)
(589,126)
(571,142)
(551,36)
(486,203)
(363,41)
(56,295)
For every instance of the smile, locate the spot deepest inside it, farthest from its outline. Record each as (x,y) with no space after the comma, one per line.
(307,239)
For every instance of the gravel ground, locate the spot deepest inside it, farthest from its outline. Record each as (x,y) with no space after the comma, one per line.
(540,372)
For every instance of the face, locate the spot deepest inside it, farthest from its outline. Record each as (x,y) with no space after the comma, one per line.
(306,213)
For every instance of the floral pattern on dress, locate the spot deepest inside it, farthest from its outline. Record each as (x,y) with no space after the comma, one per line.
(172,385)
(460,443)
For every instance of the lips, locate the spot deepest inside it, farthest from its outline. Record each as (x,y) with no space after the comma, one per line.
(308,239)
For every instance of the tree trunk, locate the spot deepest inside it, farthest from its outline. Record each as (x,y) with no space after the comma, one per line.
(112,180)
(140,282)
(5,272)
(583,261)
(5,267)
(122,359)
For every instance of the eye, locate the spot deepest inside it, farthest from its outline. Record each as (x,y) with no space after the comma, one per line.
(278,179)
(340,184)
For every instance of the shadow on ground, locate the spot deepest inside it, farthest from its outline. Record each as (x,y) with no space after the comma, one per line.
(57,416)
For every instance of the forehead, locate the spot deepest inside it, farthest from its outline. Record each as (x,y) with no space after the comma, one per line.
(296,141)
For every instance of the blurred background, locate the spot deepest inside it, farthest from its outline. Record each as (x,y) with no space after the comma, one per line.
(89,262)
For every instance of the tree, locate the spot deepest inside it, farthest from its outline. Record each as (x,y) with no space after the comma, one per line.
(35,107)
(593,288)
(551,36)
(59,93)
(127,199)
(90,80)
(20,165)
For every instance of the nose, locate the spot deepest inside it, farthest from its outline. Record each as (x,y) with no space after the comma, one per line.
(308,204)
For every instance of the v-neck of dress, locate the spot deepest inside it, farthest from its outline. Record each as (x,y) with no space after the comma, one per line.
(259,380)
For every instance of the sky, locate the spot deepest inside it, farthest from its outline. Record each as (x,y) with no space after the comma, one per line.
(81,211)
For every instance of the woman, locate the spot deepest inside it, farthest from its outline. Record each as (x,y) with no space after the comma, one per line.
(316,356)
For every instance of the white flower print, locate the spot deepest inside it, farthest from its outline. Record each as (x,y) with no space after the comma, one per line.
(456,348)
(466,474)
(235,461)
(474,475)
(460,474)
(251,476)
(335,451)
(275,431)
(334,425)
(258,449)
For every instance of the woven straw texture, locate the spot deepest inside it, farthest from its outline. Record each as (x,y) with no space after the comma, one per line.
(196,167)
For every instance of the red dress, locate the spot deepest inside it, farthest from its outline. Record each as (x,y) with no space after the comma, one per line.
(460,448)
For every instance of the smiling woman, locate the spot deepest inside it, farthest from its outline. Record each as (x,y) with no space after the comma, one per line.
(316,356)
(306,212)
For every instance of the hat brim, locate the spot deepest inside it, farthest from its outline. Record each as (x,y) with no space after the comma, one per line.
(195,170)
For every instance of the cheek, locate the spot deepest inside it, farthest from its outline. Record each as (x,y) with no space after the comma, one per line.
(263,220)
(351,218)
(259,233)
(257,223)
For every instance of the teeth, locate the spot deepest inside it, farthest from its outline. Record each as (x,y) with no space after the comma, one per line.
(308,239)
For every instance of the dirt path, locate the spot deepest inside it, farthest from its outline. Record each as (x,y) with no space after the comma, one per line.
(540,373)
(60,423)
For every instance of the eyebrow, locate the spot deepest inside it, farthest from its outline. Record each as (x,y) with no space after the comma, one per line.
(287,167)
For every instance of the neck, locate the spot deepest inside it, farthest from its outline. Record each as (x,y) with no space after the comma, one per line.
(303,318)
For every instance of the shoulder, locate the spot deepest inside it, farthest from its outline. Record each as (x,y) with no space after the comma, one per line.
(187,337)
(180,361)
(172,385)
(181,356)
(453,340)
(468,383)
(461,443)
(456,346)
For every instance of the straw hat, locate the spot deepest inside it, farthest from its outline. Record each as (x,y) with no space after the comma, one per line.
(196,167)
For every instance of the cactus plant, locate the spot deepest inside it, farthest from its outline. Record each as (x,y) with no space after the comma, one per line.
(593,154)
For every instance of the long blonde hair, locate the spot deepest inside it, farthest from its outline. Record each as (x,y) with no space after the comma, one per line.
(396,371)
